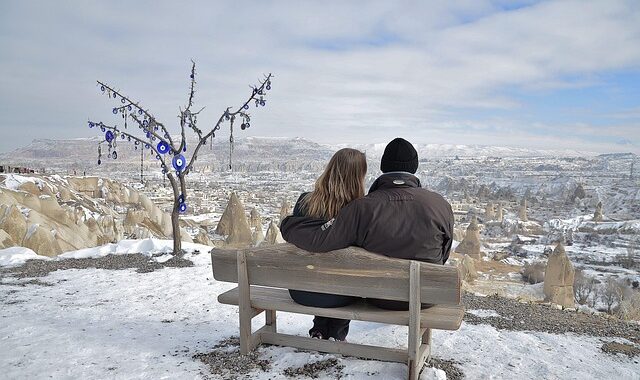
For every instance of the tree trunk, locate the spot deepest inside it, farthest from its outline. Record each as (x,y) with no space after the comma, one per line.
(175,216)
(175,225)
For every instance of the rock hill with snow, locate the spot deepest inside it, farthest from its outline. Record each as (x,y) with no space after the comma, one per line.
(52,214)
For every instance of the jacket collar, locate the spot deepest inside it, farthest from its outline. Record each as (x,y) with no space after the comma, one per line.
(395,180)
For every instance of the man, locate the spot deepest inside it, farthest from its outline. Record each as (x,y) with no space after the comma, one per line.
(398,218)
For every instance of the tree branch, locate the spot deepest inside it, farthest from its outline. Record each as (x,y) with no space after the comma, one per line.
(136,105)
(256,91)
(118,133)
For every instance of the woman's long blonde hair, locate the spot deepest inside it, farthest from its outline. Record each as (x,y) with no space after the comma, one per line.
(341,182)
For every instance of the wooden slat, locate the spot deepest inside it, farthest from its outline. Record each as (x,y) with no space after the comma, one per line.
(442,317)
(350,271)
(342,348)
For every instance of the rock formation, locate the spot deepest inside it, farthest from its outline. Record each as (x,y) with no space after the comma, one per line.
(285,210)
(597,215)
(488,212)
(273,235)
(522,210)
(499,215)
(203,238)
(254,219)
(470,245)
(224,225)
(558,278)
(258,236)
(185,236)
(578,193)
(42,241)
(70,210)
(5,240)
(468,269)
(234,223)
(13,222)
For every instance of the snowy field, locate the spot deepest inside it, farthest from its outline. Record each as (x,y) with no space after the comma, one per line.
(96,323)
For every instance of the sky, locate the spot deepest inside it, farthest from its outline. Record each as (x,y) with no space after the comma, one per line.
(548,74)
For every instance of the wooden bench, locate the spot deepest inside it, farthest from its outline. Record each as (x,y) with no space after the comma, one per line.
(265,274)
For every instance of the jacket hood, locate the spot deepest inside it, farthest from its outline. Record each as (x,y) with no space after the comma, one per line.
(395,180)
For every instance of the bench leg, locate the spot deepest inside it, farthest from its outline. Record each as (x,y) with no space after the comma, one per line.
(415,333)
(425,348)
(246,312)
(270,320)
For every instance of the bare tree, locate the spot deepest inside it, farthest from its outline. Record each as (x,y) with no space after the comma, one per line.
(583,287)
(628,260)
(153,135)
(612,294)
(533,273)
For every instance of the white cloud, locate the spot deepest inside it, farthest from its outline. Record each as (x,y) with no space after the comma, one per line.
(387,67)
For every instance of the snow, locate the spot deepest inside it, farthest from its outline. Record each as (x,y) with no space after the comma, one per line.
(147,247)
(14,181)
(95,323)
(483,313)
(17,256)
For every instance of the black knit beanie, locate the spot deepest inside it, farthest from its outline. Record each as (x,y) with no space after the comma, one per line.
(399,156)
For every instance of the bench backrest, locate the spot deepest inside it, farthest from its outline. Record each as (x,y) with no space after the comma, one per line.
(351,271)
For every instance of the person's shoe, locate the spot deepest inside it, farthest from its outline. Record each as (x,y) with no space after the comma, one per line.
(316,335)
(337,340)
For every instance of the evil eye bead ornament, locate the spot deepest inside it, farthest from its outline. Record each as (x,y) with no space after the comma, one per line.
(179,162)
(109,136)
(163,147)
(182,208)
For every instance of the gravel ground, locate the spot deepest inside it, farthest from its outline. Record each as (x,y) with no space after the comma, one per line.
(142,263)
(518,316)
(225,360)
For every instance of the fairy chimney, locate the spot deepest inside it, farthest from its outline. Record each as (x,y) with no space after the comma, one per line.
(470,245)
(238,226)
(522,210)
(285,210)
(258,236)
(273,235)
(597,215)
(488,213)
(499,213)
(558,278)
(224,225)
(468,269)
(254,219)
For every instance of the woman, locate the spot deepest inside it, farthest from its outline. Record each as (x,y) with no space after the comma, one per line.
(341,182)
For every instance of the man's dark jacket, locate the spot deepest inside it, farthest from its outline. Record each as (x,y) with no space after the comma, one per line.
(397,218)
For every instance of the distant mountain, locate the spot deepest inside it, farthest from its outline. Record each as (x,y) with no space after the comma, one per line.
(249,153)
(453,150)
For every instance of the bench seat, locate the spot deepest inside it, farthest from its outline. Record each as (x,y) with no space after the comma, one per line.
(442,317)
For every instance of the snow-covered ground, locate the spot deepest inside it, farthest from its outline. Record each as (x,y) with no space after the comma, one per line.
(94,323)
